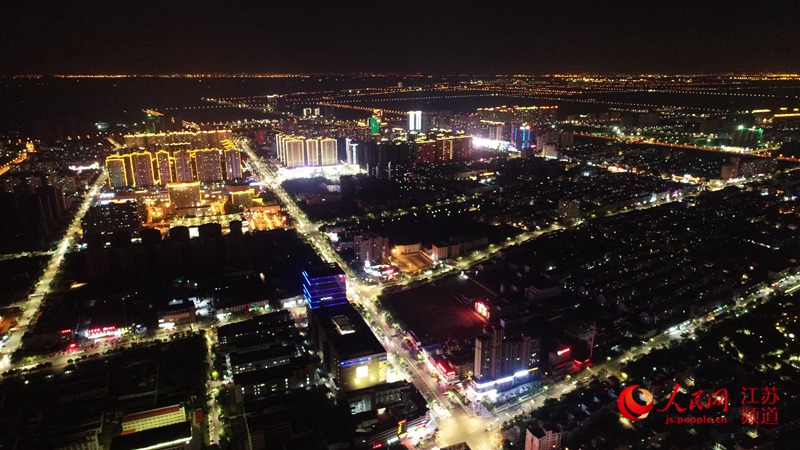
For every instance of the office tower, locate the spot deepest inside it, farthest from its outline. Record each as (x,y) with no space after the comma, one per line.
(164,169)
(324,286)
(294,153)
(329,152)
(183,167)
(117,178)
(209,167)
(143,175)
(312,152)
(415,121)
(184,195)
(233,164)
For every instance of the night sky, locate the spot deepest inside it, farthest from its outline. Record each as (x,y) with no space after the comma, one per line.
(498,36)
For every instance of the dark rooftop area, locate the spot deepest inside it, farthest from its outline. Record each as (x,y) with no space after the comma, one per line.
(360,342)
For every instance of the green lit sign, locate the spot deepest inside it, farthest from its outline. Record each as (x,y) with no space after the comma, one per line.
(374,125)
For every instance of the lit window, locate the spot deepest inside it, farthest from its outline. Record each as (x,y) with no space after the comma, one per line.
(362,371)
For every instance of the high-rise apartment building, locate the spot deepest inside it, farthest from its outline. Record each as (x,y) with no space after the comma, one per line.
(209,166)
(312,152)
(164,167)
(117,177)
(329,152)
(183,166)
(415,121)
(143,175)
(233,164)
(498,356)
(371,248)
(181,139)
(294,153)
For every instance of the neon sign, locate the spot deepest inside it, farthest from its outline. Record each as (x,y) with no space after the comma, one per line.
(482,309)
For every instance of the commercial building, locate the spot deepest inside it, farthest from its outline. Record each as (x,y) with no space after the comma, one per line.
(184,195)
(324,286)
(385,414)
(348,349)
(176,312)
(154,418)
(171,437)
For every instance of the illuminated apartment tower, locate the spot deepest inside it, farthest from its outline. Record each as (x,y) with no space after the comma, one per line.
(143,175)
(183,167)
(209,167)
(294,153)
(312,152)
(280,147)
(352,152)
(415,121)
(115,165)
(233,164)
(500,357)
(164,169)
(329,152)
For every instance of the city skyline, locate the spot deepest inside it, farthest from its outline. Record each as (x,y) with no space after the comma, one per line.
(379,225)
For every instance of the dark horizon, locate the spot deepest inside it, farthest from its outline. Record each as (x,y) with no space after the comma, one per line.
(207,36)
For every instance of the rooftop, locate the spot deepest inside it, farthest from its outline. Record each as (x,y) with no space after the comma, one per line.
(154,438)
(352,344)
